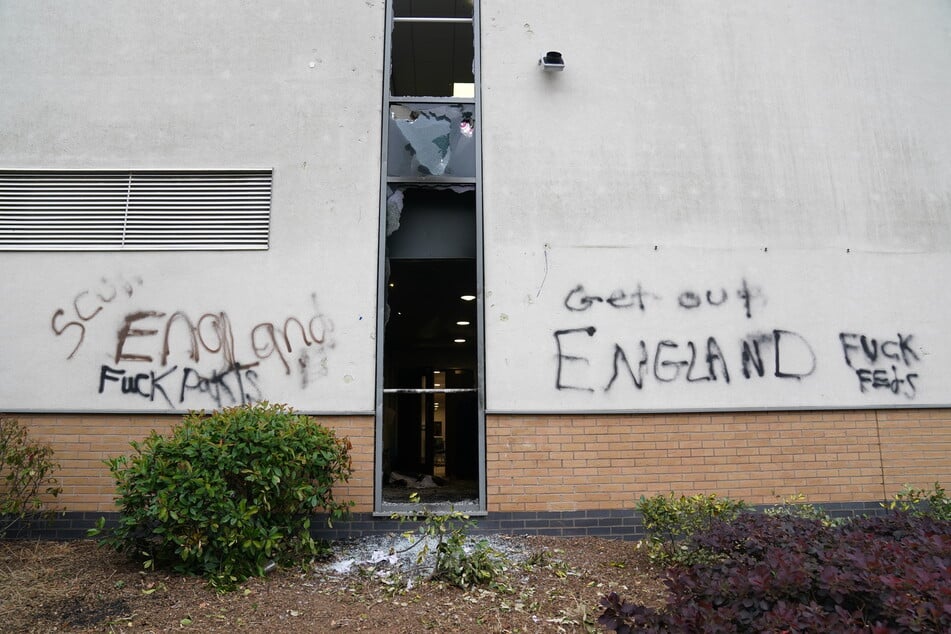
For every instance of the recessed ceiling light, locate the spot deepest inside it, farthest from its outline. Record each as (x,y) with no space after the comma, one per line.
(459,340)
(435,371)
(462,323)
(392,284)
(467,298)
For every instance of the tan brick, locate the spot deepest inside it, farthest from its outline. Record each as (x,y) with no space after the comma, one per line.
(568,462)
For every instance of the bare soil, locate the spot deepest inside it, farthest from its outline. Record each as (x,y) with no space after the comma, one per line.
(552,585)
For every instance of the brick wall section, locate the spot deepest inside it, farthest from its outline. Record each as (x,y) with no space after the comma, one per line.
(916,448)
(360,431)
(568,463)
(82,442)
(604,462)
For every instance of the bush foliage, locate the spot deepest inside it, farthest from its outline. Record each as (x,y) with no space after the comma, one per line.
(227,493)
(934,503)
(670,520)
(782,573)
(26,473)
(796,506)
(445,536)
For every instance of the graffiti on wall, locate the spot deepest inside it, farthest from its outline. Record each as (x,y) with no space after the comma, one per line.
(88,303)
(882,364)
(879,364)
(189,359)
(639,299)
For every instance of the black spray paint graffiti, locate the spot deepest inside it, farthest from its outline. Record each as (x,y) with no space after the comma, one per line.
(191,354)
(787,354)
(881,364)
(234,386)
(88,303)
(578,300)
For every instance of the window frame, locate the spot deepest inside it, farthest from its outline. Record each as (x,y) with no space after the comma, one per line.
(388,100)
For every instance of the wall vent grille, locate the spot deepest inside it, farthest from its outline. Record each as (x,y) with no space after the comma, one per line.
(134,210)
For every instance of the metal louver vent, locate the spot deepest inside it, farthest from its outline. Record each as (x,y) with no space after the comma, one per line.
(134,210)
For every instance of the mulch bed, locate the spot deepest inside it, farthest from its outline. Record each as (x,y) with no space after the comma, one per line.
(554,587)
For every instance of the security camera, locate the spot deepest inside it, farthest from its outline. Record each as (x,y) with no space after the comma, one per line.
(552,61)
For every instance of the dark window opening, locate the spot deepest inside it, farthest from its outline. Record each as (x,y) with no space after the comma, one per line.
(430,422)
(433,48)
(430,353)
(432,8)
(432,59)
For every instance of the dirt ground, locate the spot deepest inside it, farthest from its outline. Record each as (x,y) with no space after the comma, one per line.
(551,585)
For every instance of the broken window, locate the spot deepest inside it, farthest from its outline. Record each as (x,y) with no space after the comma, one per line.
(430,354)
(430,405)
(430,418)
(431,140)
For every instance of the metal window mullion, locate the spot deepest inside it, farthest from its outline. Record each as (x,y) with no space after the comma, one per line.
(480,256)
(433,180)
(421,20)
(463,101)
(388,27)
(421,390)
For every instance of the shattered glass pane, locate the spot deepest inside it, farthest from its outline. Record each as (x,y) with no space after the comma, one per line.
(394,209)
(431,140)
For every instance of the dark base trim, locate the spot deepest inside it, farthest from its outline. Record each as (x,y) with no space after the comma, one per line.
(623,524)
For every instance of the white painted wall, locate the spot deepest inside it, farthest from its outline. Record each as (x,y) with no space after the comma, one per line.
(293,86)
(803,147)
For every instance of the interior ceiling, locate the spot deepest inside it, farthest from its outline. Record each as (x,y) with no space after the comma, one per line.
(428,58)
(425,304)
(433,8)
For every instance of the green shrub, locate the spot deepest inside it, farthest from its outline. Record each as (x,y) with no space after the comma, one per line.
(26,470)
(229,492)
(922,502)
(444,535)
(669,520)
(796,506)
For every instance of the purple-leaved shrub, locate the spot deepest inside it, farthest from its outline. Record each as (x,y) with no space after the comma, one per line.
(787,574)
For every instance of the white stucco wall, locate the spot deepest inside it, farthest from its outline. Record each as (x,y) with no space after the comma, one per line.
(802,147)
(293,86)
(769,175)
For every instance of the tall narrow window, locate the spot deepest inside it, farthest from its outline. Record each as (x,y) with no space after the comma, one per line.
(430,405)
